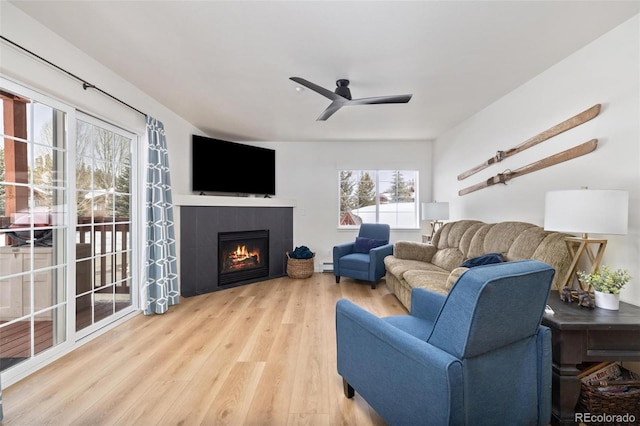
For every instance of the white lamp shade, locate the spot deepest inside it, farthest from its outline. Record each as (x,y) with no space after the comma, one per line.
(435,211)
(587,211)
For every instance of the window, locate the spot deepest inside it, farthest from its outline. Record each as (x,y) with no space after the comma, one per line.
(378,196)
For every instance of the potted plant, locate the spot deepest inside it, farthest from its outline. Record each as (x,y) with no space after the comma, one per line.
(606,284)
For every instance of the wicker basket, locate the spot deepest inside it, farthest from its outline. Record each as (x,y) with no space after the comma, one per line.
(299,268)
(596,401)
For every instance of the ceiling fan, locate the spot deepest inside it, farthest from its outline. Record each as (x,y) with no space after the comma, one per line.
(342,97)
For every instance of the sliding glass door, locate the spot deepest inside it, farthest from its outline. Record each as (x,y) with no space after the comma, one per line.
(67,242)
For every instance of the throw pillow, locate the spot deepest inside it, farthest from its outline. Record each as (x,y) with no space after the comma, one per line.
(364,245)
(485,259)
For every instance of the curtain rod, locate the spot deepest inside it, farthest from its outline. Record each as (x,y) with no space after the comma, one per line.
(85,84)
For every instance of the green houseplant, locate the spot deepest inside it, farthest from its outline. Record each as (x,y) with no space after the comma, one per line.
(606,284)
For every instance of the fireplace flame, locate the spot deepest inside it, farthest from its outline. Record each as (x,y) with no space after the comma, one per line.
(241,254)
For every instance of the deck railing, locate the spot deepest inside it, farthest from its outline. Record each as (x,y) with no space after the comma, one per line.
(110,240)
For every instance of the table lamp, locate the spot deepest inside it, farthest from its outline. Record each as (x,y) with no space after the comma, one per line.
(586,211)
(435,212)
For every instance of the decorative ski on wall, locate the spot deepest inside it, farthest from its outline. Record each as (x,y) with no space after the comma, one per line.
(551,160)
(574,121)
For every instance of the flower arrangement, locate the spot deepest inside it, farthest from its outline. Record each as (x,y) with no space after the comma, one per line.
(606,280)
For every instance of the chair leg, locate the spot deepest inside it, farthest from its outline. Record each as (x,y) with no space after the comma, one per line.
(349,392)
(373,285)
(337,279)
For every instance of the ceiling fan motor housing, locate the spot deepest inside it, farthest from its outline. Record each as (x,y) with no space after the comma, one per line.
(342,89)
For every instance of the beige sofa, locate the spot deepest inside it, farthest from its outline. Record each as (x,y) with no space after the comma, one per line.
(436,266)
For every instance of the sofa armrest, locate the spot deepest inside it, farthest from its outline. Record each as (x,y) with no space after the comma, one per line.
(427,380)
(413,250)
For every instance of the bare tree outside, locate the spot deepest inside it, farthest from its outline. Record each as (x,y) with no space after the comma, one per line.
(103,161)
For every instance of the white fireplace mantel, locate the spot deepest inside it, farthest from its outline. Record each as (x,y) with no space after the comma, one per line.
(222,201)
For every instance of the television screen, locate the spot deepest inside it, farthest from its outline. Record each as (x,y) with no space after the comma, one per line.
(230,167)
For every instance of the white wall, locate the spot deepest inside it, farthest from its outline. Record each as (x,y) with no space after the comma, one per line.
(607,71)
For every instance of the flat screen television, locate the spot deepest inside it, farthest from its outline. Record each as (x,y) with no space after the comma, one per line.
(221,166)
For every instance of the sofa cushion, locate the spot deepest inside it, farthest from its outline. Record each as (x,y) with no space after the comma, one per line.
(476,246)
(485,259)
(448,258)
(354,261)
(526,244)
(553,251)
(453,277)
(452,235)
(431,280)
(467,237)
(398,266)
(500,237)
(364,245)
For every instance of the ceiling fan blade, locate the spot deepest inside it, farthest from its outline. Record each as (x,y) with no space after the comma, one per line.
(321,90)
(331,109)
(395,99)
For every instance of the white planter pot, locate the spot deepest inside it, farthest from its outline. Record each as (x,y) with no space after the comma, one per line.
(607,301)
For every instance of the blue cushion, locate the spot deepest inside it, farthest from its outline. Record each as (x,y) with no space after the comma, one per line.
(485,259)
(364,245)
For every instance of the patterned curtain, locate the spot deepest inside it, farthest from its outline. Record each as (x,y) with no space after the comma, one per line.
(161,288)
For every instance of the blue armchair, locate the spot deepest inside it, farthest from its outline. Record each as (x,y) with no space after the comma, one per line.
(478,356)
(363,259)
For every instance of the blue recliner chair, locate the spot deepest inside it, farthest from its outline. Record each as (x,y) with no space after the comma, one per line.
(478,356)
(363,259)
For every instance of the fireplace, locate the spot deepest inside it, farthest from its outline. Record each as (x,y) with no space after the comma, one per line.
(199,246)
(243,255)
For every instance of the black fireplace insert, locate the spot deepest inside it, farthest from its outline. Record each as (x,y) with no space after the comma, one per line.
(244,256)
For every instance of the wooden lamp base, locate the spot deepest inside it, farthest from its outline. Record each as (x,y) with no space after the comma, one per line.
(577,248)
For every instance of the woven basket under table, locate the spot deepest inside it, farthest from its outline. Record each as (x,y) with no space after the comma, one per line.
(597,402)
(300,268)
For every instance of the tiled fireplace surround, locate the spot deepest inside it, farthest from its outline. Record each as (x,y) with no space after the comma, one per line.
(199,227)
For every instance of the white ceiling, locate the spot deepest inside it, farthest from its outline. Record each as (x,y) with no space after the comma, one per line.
(224,66)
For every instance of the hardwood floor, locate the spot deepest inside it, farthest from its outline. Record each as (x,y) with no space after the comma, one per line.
(261,354)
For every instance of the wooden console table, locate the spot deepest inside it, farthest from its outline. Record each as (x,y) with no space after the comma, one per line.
(580,335)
